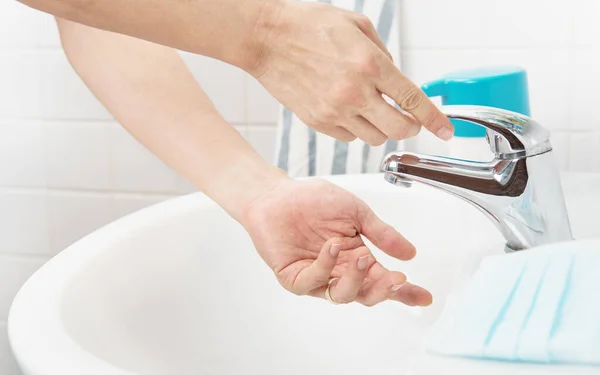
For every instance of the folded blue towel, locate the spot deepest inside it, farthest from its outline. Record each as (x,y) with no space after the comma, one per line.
(540,305)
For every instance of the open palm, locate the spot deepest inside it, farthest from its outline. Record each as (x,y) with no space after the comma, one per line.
(309,233)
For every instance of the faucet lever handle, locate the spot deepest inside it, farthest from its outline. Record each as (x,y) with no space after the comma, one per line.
(509,134)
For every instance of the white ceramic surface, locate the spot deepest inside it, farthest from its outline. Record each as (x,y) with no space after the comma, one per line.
(178,289)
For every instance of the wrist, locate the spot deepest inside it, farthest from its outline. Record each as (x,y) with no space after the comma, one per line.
(260,186)
(238,187)
(264,24)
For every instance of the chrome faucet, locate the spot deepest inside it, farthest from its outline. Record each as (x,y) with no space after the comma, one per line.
(519,190)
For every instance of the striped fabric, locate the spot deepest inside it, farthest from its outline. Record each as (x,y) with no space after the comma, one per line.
(303,152)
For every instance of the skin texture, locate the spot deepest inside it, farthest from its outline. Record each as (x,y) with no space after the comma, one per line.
(306,231)
(330,67)
(326,64)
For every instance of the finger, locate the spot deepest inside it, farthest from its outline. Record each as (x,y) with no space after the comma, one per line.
(382,235)
(348,286)
(389,120)
(412,295)
(366,26)
(339,133)
(319,272)
(366,131)
(413,100)
(382,289)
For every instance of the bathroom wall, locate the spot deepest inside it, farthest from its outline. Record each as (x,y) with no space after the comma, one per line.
(556,41)
(66,168)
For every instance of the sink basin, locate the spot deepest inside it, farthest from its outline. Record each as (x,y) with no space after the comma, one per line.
(177,288)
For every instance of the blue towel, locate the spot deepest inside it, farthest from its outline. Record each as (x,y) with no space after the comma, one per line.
(537,306)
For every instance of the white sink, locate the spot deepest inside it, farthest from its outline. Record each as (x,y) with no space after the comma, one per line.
(178,289)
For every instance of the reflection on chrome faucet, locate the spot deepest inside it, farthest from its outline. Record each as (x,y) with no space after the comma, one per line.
(519,190)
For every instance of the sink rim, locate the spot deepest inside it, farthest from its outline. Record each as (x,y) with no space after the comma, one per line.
(38,300)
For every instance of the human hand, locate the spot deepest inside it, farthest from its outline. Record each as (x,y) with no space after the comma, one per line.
(309,232)
(329,66)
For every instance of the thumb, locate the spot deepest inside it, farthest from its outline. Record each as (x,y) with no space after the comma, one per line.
(384,236)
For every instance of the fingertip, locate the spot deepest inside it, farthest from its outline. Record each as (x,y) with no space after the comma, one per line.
(445,133)
(333,246)
(363,259)
(410,252)
(441,126)
(426,299)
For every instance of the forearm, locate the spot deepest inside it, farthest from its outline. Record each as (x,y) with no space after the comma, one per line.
(229,30)
(150,91)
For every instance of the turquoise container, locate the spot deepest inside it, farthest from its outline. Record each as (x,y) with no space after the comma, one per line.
(504,87)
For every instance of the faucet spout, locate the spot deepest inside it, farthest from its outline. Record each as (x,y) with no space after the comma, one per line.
(519,190)
(498,177)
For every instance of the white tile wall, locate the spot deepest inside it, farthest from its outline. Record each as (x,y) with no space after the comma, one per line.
(77,155)
(66,168)
(584,100)
(21,78)
(63,94)
(25,27)
(561,144)
(549,73)
(22,141)
(7,362)
(423,65)
(519,23)
(15,271)
(72,215)
(585,152)
(560,51)
(125,204)
(585,26)
(24,222)
(429,24)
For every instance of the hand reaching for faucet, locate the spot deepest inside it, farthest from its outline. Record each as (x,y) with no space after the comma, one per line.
(329,66)
(309,233)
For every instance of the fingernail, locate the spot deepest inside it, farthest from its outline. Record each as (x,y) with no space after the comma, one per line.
(334,250)
(363,262)
(396,288)
(445,134)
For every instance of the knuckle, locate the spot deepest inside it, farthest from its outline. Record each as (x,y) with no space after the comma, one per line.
(318,125)
(367,65)
(313,121)
(399,134)
(326,114)
(410,99)
(363,21)
(346,93)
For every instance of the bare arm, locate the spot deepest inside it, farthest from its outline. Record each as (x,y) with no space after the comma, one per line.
(218,28)
(151,92)
(308,232)
(326,64)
